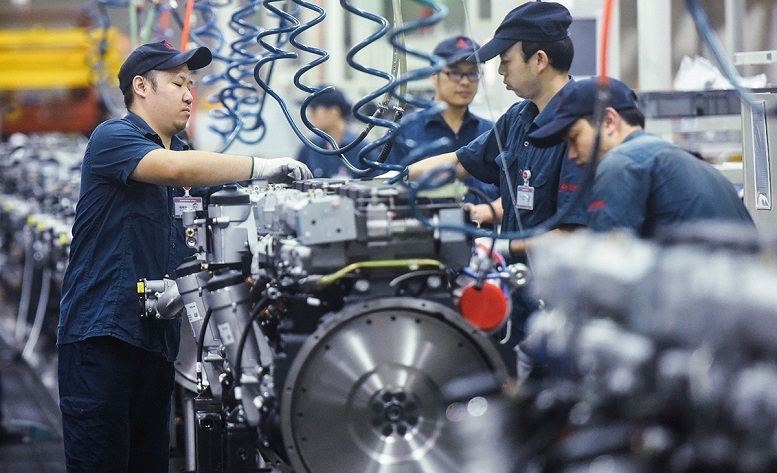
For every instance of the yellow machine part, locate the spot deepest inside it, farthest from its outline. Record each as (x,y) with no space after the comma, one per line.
(43,58)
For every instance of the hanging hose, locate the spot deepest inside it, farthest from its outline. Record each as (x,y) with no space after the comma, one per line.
(398,69)
(315,92)
(138,35)
(711,40)
(295,28)
(240,116)
(132,15)
(239,99)
(396,85)
(292,26)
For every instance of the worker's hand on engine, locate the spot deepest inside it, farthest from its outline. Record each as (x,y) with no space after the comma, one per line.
(280,169)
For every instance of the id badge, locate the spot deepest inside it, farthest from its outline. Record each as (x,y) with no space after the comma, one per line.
(525,197)
(186,203)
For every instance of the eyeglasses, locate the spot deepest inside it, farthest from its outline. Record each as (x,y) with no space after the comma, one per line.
(473,76)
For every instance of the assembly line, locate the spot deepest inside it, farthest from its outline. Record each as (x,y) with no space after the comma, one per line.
(396,237)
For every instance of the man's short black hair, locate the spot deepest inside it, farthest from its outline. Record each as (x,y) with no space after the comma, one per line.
(332,98)
(129,96)
(560,53)
(633,116)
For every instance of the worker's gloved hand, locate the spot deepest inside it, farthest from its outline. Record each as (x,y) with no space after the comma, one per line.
(280,170)
(500,246)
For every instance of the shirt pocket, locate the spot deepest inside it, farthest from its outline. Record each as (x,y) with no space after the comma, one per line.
(541,182)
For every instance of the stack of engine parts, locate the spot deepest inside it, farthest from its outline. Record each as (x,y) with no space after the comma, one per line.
(653,356)
(327,322)
(39,186)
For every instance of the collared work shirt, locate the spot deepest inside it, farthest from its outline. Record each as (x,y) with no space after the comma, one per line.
(423,132)
(124,230)
(556,180)
(646,183)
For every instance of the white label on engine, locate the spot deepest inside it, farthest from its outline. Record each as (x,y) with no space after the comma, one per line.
(226,334)
(192,312)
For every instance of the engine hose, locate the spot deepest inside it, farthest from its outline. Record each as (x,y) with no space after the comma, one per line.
(249,329)
(200,348)
(378,264)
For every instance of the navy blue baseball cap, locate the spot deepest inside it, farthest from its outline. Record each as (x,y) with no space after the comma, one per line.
(533,21)
(160,56)
(455,49)
(577,100)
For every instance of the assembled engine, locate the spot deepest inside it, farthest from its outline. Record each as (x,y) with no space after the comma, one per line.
(327,320)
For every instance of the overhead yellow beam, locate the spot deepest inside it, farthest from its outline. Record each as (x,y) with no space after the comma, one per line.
(44,58)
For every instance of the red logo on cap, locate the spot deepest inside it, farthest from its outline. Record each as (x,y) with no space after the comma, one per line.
(167,45)
(462,43)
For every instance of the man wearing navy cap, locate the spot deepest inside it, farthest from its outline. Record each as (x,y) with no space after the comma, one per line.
(535,184)
(330,112)
(115,368)
(455,85)
(642,183)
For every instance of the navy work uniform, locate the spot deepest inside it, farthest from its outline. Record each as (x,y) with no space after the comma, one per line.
(545,181)
(553,178)
(116,373)
(646,183)
(435,128)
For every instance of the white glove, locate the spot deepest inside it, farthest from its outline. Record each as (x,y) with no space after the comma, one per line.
(502,246)
(279,169)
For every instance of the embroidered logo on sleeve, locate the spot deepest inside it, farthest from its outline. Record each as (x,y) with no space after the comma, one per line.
(597,205)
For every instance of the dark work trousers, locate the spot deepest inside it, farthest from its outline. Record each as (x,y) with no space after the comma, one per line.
(115,401)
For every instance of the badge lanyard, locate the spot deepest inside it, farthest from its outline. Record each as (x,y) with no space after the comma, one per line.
(186,202)
(525,193)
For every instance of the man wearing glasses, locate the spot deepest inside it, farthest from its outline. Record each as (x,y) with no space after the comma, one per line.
(455,86)
(538,186)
